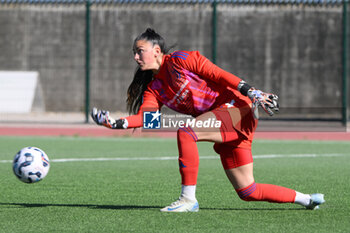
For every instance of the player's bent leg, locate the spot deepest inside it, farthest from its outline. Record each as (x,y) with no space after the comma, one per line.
(279,194)
(243,182)
(238,165)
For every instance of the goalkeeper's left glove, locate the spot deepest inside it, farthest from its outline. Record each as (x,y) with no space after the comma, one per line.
(266,101)
(102,117)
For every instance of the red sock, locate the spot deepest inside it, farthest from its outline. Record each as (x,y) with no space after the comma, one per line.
(188,155)
(266,192)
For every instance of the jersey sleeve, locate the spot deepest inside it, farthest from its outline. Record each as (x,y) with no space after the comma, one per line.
(200,65)
(150,103)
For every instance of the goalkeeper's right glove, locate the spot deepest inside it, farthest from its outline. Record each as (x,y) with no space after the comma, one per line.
(102,117)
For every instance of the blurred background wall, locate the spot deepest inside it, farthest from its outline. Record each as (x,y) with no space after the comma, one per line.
(294,51)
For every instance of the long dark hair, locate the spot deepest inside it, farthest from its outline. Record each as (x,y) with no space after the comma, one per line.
(143,78)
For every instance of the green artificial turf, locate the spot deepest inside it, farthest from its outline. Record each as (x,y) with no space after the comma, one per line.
(138,176)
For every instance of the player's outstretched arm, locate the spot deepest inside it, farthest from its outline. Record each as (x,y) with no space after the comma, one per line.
(267,101)
(102,117)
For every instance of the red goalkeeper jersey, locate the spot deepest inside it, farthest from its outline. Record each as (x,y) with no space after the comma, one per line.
(189,83)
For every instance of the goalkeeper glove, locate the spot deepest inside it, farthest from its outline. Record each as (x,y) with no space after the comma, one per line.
(102,117)
(267,101)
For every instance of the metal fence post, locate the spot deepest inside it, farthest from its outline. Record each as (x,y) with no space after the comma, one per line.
(87,61)
(345,67)
(214,32)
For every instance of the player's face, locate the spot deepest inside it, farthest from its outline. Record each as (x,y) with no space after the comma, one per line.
(146,54)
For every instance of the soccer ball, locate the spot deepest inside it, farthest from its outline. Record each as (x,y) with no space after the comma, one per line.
(31,165)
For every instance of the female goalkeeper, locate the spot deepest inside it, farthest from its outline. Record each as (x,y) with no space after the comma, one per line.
(189,83)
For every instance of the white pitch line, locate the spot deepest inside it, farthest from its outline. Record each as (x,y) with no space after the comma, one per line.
(272,156)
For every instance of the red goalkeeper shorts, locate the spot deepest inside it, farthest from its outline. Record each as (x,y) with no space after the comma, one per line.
(237,130)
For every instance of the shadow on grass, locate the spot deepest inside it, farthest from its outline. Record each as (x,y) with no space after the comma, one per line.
(255,209)
(130,207)
(117,207)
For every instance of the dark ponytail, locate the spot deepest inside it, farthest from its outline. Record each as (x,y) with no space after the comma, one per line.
(143,78)
(137,88)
